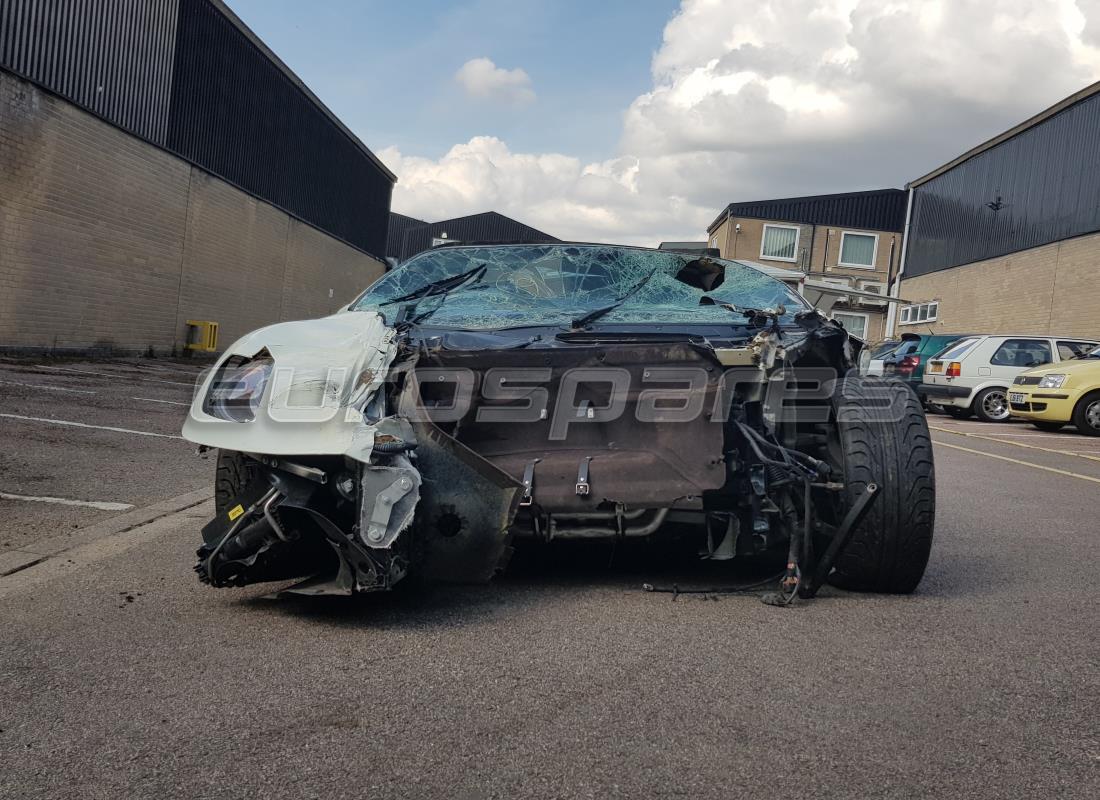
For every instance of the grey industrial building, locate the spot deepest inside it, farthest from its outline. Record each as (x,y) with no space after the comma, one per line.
(159,164)
(1006,237)
(409,236)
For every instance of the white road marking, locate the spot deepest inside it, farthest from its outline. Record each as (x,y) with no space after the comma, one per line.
(1015,435)
(1014,444)
(167,402)
(50,388)
(62,501)
(112,375)
(181,370)
(1018,461)
(85,425)
(1050,436)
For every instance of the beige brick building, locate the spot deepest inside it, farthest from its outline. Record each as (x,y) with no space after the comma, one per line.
(117,227)
(851,240)
(1006,237)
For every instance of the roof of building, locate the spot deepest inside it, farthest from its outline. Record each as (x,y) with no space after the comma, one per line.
(486,227)
(877,210)
(682,246)
(1028,123)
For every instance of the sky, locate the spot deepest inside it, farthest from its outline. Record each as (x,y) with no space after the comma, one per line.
(637,122)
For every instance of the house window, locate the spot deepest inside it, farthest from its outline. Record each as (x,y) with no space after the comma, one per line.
(855,324)
(779,243)
(858,250)
(714,241)
(920,313)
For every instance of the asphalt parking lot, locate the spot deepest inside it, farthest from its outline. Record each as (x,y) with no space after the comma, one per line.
(123,677)
(87,441)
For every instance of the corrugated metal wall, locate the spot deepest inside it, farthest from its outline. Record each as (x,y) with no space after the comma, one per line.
(1038,187)
(486,227)
(237,114)
(878,210)
(181,75)
(113,57)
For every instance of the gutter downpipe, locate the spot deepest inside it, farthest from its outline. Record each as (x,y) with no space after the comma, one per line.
(895,289)
(729,218)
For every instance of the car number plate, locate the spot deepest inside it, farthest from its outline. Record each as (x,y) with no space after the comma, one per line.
(1016,397)
(935,366)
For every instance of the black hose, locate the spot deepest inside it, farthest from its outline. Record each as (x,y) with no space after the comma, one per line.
(819,467)
(735,589)
(753,440)
(393,448)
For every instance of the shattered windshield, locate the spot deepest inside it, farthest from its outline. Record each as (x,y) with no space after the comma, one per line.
(557,284)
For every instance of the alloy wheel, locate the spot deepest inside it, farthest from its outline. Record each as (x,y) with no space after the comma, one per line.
(1092,414)
(995,405)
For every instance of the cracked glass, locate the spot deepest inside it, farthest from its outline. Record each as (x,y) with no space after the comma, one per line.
(525,285)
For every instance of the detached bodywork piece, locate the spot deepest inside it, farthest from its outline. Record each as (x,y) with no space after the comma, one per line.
(477,394)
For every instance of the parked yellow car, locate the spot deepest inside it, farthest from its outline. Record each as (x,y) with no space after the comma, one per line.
(1055,395)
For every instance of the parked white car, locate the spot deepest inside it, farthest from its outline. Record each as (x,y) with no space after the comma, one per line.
(974,375)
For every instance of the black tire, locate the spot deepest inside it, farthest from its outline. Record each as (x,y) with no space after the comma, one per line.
(1086,416)
(884,439)
(234,475)
(957,413)
(989,399)
(1049,427)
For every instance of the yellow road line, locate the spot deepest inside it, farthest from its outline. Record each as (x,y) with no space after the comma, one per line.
(1015,444)
(1017,461)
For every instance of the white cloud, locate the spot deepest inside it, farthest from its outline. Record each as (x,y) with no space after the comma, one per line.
(553,192)
(754,99)
(484,80)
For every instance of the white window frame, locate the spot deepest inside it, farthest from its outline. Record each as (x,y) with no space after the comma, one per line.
(714,242)
(764,237)
(874,253)
(866,319)
(908,315)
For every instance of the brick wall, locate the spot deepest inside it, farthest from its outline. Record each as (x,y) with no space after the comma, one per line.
(322,273)
(106,241)
(1050,289)
(818,250)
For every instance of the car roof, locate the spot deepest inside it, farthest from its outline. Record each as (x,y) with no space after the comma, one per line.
(926,339)
(1032,336)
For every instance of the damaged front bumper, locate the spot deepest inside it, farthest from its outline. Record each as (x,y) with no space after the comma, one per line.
(321,483)
(349,528)
(329,478)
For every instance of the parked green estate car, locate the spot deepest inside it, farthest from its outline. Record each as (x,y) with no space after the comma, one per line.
(909,359)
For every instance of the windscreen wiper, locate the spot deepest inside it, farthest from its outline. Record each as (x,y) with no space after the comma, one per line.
(441,286)
(440,289)
(596,313)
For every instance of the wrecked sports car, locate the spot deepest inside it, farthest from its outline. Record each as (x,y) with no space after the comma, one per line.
(476,395)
